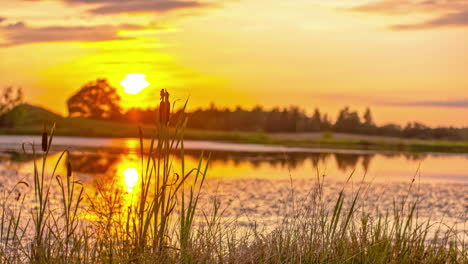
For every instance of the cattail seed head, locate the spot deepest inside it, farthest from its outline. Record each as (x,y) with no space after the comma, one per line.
(44,141)
(164,107)
(69,169)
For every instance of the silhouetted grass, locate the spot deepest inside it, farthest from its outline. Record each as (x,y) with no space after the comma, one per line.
(162,223)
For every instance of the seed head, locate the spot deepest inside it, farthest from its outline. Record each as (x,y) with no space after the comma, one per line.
(44,141)
(164,107)
(69,168)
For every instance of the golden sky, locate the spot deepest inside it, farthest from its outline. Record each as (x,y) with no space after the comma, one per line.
(406,59)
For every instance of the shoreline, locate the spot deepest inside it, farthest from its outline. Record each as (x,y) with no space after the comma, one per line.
(290,140)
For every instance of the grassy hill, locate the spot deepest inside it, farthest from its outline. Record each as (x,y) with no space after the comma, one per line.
(27,115)
(29,119)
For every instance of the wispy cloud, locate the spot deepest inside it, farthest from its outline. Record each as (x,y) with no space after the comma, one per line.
(456,19)
(20,33)
(447,13)
(104,7)
(385,7)
(397,7)
(146,7)
(374,99)
(457,103)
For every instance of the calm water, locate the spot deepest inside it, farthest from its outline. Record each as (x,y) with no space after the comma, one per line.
(93,156)
(255,181)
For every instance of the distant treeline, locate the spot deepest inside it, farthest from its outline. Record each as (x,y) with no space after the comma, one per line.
(99,100)
(295,120)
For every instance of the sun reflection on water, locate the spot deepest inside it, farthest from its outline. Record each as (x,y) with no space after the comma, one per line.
(130,178)
(127,172)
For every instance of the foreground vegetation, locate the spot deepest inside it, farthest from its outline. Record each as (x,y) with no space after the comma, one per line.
(163,223)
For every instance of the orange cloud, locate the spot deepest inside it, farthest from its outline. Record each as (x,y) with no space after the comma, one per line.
(145,7)
(457,103)
(19,33)
(411,6)
(456,19)
(104,7)
(447,13)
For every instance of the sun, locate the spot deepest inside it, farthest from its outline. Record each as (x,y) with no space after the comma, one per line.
(134,83)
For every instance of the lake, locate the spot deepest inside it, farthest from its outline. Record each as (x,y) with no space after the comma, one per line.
(257,183)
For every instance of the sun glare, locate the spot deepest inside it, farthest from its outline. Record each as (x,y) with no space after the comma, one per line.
(130,178)
(134,83)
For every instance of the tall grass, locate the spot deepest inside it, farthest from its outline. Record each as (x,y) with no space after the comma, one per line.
(162,222)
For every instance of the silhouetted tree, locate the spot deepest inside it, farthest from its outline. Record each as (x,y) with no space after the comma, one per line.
(316,121)
(95,100)
(139,115)
(347,121)
(326,123)
(416,129)
(368,126)
(273,120)
(10,98)
(368,120)
(389,130)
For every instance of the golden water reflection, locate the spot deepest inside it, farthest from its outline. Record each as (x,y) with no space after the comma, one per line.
(378,167)
(127,170)
(130,178)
